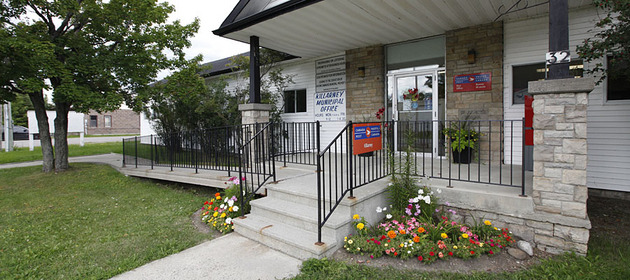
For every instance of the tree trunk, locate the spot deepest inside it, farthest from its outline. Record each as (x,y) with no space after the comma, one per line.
(37,98)
(61,137)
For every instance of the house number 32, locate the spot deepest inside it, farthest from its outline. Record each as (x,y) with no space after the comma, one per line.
(558,57)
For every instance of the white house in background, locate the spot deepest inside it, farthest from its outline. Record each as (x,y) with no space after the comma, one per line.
(75,125)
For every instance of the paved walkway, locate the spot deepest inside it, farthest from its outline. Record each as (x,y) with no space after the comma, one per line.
(228,257)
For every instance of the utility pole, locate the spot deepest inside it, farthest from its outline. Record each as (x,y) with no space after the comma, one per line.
(1,125)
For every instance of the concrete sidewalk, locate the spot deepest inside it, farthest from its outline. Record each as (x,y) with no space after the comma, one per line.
(228,257)
(115,160)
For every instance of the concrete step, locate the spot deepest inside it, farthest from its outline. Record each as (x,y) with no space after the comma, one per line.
(303,216)
(288,239)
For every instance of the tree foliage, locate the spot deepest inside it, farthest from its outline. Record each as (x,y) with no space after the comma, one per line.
(95,54)
(612,39)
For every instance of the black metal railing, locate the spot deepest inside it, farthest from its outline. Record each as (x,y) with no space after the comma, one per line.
(492,159)
(217,148)
(256,161)
(296,142)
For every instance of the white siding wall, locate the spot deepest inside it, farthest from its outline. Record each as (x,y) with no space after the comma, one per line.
(526,42)
(303,72)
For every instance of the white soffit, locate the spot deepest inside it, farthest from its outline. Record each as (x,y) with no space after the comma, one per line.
(332,26)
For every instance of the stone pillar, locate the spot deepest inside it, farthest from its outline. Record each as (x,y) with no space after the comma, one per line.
(560,156)
(254,113)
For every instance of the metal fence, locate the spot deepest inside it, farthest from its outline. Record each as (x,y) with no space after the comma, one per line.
(478,151)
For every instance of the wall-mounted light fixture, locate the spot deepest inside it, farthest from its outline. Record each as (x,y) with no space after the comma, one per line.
(471,56)
(362,72)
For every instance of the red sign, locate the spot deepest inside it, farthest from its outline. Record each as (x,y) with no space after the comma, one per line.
(366,138)
(529,120)
(472,82)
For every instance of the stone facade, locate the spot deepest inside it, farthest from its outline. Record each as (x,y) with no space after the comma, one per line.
(365,90)
(487,42)
(560,150)
(123,121)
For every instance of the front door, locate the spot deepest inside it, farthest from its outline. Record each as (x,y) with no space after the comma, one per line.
(418,107)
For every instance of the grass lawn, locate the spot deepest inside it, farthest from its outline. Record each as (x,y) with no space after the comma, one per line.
(90,222)
(23,154)
(608,256)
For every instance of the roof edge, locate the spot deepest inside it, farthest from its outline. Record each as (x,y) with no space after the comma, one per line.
(229,26)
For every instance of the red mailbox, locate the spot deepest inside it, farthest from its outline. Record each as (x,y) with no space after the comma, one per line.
(529,121)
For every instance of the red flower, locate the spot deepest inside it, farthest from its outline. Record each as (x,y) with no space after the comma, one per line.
(205,203)
(472,252)
(490,252)
(216,208)
(383,237)
(431,254)
(450,254)
(395,253)
(420,258)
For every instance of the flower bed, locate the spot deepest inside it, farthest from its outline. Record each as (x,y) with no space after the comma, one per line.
(219,211)
(426,232)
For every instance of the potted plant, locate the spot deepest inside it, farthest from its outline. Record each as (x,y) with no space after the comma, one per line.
(463,141)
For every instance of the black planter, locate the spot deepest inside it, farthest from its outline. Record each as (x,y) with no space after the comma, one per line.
(464,157)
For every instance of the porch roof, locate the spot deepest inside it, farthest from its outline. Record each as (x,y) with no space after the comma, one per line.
(312,28)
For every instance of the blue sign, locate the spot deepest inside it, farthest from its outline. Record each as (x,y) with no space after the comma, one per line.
(367,132)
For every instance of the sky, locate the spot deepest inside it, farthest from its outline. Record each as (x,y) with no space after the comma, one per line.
(211,14)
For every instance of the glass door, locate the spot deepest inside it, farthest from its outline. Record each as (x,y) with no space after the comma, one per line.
(417,115)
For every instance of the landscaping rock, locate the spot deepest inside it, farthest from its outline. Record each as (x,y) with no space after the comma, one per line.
(517,253)
(526,247)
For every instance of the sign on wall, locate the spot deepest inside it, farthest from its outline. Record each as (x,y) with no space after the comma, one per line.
(472,82)
(330,88)
(366,138)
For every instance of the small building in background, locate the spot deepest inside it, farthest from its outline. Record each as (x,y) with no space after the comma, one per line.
(122,121)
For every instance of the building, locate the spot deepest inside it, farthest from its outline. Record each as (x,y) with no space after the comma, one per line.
(121,121)
(355,57)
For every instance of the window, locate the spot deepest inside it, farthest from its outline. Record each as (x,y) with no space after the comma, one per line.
(108,121)
(93,121)
(295,101)
(523,74)
(618,84)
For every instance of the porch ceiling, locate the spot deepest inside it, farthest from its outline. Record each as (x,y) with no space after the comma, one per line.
(332,26)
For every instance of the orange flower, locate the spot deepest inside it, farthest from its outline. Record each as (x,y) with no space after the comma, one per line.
(402,231)
(421,230)
(416,239)
(391,234)
(217,194)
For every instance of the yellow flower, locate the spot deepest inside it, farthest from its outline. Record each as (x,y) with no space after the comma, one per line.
(401,245)
(496,228)
(230,209)
(480,244)
(487,223)
(356,217)
(444,235)
(345,238)
(215,214)
(218,197)
(465,235)
(360,226)
(222,215)
(455,247)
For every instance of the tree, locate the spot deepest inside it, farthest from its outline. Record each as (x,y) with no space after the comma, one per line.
(95,54)
(612,39)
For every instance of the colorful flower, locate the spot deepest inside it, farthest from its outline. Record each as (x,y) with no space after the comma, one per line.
(465,235)
(356,217)
(444,235)
(391,234)
(416,239)
(440,254)
(487,223)
(421,230)
(420,258)
(402,231)
(350,241)
(360,226)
